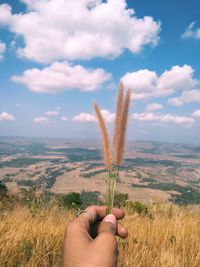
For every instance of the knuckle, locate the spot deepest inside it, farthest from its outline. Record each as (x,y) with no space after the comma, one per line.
(92,207)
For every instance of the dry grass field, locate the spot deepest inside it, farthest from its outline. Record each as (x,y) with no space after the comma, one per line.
(168,236)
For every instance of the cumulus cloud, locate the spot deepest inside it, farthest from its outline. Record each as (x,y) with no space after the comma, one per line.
(108,116)
(64,118)
(87,117)
(162,118)
(81,29)
(142,83)
(190,32)
(185,98)
(61,76)
(141,117)
(196,113)
(42,120)
(4,116)
(145,83)
(154,106)
(84,117)
(2,50)
(178,78)
(52,113)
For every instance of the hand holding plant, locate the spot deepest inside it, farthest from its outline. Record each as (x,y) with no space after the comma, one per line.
(113,153)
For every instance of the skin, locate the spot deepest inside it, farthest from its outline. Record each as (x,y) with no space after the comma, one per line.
(90,239)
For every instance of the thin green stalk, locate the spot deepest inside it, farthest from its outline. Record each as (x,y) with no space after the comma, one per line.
(112,176)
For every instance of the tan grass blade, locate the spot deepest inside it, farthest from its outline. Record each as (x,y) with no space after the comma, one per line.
(105,137)
(122,130)
(118,120)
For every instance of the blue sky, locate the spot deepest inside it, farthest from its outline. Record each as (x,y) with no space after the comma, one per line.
(57,57)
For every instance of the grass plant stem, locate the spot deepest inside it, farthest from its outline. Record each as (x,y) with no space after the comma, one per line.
(112,179)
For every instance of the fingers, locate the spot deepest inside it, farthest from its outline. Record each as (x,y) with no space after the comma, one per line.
(83,227)
(95,214)
(118,213)
(99,212)
(121,231)
(108,225)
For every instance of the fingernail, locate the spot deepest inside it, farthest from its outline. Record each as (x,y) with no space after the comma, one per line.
(110,218)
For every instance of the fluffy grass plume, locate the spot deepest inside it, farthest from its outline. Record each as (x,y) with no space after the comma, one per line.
(105,138)
(168,237)
(113,161)
(118,120)
(120,128)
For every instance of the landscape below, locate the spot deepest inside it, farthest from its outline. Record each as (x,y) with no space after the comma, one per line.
(151,172)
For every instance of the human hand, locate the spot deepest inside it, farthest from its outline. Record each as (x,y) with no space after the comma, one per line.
(90,239)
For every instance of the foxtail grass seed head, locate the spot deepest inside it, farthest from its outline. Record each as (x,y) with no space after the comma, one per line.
(122,130)
(118,120)
(104,136)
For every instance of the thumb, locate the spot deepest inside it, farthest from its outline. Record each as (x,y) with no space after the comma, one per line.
(108,225)
(106,240)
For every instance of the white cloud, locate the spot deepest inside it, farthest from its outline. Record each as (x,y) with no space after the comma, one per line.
(190,32)
(81,29)
(2,50)
(4,116)
(178,78)
(175,101)
(58,108)
(42,120)
(52,113)
(87,117)
(154,106)
(162,118)
(108,116)
(64,118)
(185,98)
(196,113)
(61,76)
(84,117)
(145,83)
(142,83)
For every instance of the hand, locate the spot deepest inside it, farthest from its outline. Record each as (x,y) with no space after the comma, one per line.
(90,239)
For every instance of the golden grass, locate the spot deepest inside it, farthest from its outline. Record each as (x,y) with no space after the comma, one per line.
(168,237)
